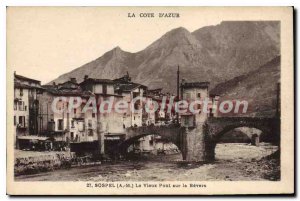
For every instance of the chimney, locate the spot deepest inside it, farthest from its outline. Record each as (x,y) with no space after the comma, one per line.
(73,79)
(127,78)
(86,77)
(54,84)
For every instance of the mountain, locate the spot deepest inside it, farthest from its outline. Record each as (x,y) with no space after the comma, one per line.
(214,53)
(224,53)
(154,66)
(258,87)
(239,47)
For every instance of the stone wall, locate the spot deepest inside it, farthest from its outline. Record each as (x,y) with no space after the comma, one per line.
(41,162)
(195,144)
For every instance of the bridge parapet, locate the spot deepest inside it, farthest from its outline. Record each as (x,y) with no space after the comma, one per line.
(150,129)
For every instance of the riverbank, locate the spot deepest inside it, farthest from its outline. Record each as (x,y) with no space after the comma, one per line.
(234,162)
(31,162)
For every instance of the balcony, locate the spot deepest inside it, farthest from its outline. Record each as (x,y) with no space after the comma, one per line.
(21,126)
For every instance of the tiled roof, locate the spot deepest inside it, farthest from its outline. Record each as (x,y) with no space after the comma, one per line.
(195,84)
(26,78)
(126,86)
(25,86)
(67,92)
(94,80)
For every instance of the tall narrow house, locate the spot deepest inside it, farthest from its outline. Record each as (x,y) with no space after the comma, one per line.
(26,105)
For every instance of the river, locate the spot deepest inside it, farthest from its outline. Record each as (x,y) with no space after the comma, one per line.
(234,161)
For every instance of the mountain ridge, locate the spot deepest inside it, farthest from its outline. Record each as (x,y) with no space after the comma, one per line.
(213,53)
(258,87)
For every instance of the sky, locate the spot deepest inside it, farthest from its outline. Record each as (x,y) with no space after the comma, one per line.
(44,43)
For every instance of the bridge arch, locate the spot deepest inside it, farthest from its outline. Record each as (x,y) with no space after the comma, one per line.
(239,135)
(123,146)
(172,133)
(229,128)
(217,127)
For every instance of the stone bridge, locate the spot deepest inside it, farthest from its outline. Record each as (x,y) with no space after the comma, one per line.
(198,143)
(215,128)
(172,133)
(221,125)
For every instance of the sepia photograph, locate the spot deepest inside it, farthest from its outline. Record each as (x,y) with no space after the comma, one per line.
(150,100)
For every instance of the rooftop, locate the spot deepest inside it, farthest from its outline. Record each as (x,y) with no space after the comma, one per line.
(53,89)
(20,77)
(26,86)
(98,81)
(124,84)
(195,84)
(128,86)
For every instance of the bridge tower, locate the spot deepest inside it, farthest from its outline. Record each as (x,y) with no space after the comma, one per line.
(193,145)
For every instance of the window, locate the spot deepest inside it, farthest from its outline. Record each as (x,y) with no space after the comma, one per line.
(22,121)
(199,108)
(90,133)
(104,89)
(136,105)
(15,105)
(151,141)
(60,124)
(72,124)
(198,95)
(93,115)
(15,120)
(74,110)
(21,92)
(135,94)
(90,124)
(21,105)
(211,114)
(186,121)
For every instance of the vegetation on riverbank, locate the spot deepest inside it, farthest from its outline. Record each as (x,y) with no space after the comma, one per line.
(28,162)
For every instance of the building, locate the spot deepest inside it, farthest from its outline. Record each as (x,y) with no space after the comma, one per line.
(26,105)
(197,91)
(110,127)
(71,126)
(214,112)
(166,111)
(148,116)
(132,91)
